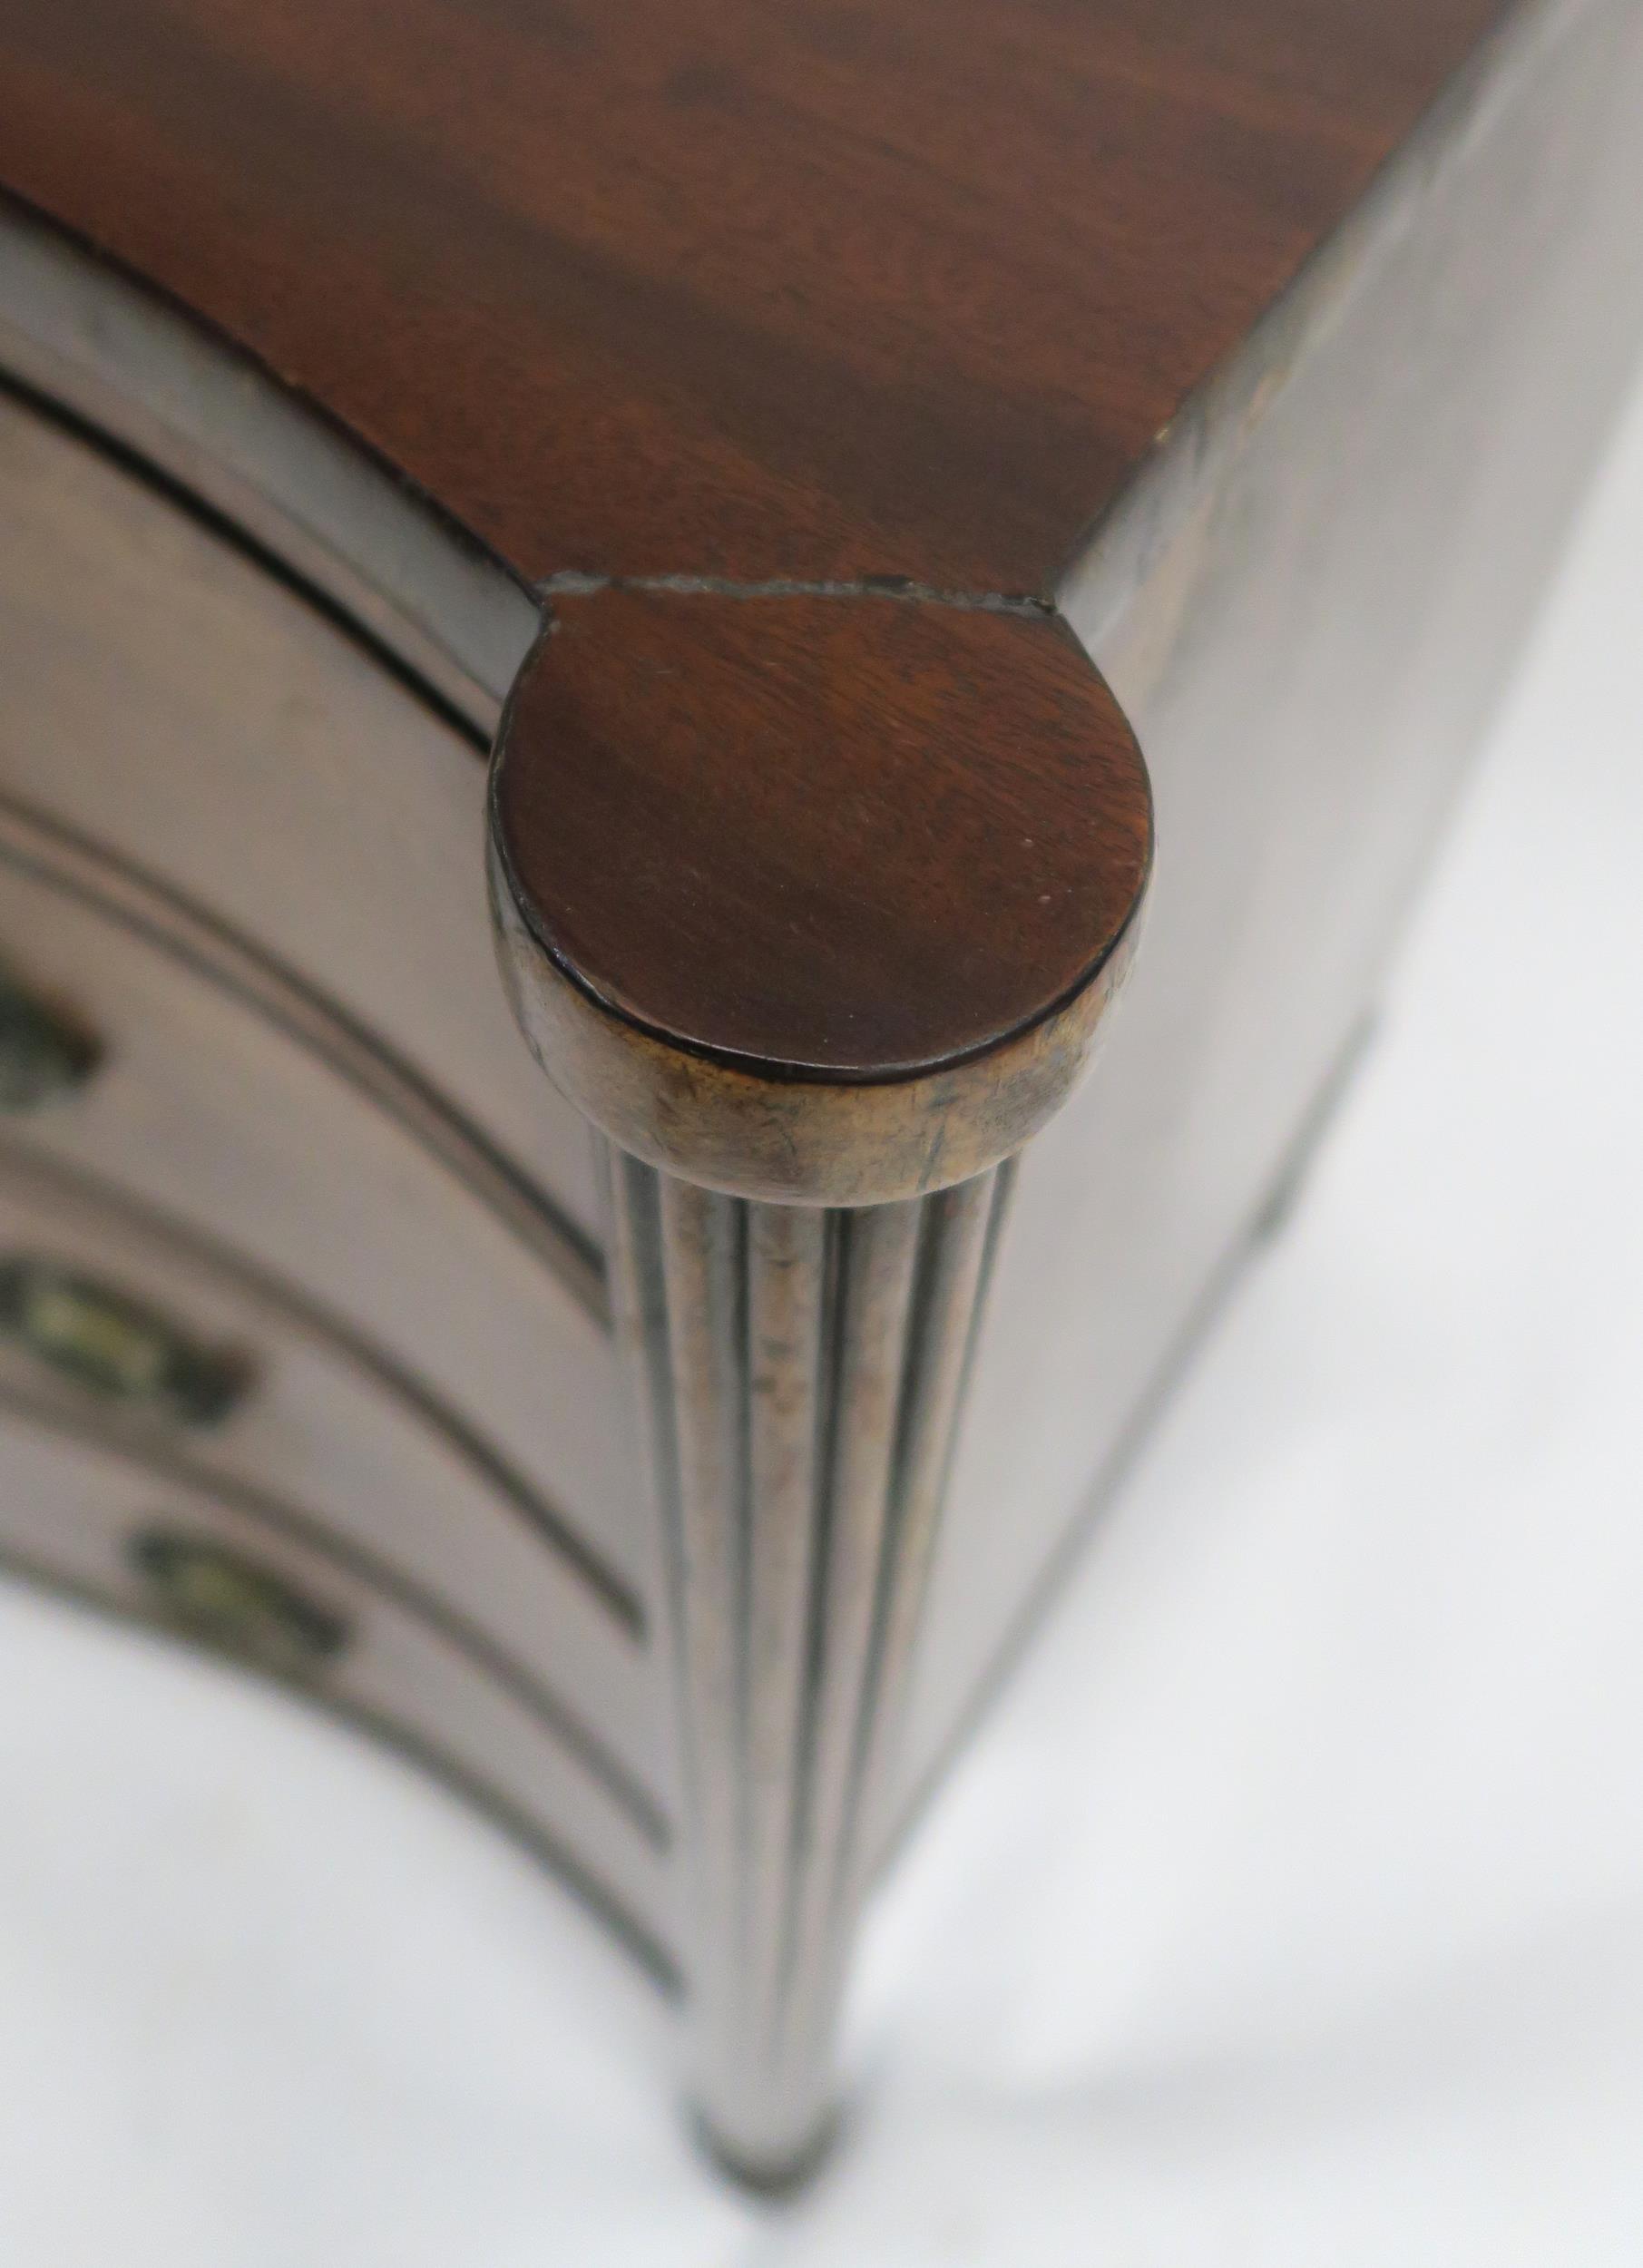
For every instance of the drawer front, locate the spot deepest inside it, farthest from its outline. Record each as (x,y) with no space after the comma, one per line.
(167,696)
(249,1577)
(116,1318)
(237,1130)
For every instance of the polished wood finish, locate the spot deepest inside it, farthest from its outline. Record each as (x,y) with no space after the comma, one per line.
(746,292)
(951,797)
(743,288)
(817,897)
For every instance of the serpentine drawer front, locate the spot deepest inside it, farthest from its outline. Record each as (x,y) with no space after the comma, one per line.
(255,1576)
(618,628)
(235,1128)
(128,1324)
(168,698)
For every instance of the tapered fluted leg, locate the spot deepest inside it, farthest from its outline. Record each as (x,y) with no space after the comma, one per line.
(802,1369)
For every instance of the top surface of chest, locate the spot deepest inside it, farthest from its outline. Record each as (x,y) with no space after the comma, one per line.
(737,289)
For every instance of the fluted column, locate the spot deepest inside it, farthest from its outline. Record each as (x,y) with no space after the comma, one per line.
(802,1371)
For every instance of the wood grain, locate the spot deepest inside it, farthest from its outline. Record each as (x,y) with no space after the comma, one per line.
(731,287)
(735,818)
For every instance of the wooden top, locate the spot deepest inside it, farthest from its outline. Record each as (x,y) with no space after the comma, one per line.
(741,287)
(735,291)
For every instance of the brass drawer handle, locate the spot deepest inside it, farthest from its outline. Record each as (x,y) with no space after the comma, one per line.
(116,1347)
(214,1595)
(43,1054)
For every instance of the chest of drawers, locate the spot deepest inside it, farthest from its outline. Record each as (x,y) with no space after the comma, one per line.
(619,629)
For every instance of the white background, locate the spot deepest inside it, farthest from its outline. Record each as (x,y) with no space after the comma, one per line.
(1288,1911)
